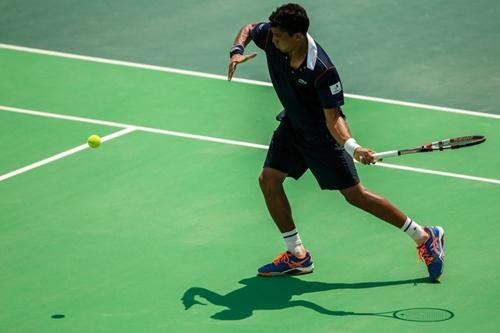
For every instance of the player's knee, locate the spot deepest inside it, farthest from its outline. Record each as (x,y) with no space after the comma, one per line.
(353,200)
(264,183)
(356,198)
(269,183)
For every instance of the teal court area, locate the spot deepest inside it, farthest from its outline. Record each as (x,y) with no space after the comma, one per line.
(162,228)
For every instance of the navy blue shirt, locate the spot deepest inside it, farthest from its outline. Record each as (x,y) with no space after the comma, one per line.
(306,91)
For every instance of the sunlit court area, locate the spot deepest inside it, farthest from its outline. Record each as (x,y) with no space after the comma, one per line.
(129,170)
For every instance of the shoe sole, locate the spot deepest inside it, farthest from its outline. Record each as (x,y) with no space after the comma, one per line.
(292,271)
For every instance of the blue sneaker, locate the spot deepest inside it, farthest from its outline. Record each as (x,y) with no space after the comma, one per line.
(432,252)
(287,264)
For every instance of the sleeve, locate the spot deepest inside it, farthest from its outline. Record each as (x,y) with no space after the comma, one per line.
(329,89)
(260,34)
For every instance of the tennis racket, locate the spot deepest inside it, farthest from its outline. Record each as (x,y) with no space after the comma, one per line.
(415,314)
(452,143)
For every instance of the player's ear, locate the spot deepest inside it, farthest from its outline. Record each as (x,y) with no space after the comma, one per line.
(298,36)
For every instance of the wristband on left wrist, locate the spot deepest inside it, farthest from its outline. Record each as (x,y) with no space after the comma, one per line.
(236,49)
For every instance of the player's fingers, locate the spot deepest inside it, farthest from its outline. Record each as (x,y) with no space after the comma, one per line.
(369,158)
(232,68)
(365,158)
(248,57)
(252,55)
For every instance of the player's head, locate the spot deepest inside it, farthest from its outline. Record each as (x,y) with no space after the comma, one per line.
(290,18)
(289,24)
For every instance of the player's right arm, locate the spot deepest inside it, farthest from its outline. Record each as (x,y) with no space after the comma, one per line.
(237,55)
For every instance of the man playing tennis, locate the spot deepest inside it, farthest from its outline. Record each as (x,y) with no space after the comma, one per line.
(313,134)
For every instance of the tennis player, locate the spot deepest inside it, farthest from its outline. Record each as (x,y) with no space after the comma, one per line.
(313,134)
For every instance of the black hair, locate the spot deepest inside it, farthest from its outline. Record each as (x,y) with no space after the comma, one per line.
(291,18)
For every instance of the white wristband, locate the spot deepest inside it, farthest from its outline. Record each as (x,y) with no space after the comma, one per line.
(350,146)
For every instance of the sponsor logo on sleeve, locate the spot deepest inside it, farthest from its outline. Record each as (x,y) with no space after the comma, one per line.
(336,88)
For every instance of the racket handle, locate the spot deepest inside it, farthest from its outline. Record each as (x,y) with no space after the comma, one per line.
(384,154)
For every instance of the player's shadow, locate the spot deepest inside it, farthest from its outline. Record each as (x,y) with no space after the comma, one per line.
(259,293)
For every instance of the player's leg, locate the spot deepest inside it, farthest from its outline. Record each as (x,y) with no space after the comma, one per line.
(357,195)
(430,240)
(334,169)
(283,161)
(271,184)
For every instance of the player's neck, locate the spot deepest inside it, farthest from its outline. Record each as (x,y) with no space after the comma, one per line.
(298,54)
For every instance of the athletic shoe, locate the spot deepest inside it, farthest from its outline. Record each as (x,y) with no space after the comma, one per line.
(287,264)
(432,252)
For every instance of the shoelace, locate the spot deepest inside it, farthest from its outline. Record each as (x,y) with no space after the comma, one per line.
(284,257)
(424,255)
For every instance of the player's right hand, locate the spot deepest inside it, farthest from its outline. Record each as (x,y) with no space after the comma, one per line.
(238,59)
(364,155)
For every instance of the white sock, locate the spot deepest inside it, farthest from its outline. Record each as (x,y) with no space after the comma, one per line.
(293,242)
(414,230)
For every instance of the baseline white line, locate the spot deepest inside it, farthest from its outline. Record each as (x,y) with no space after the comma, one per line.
(222,77)
(141,128)
(64,117)
(424,106)
(129,128)
(438,173)
(63,154)
(201,137)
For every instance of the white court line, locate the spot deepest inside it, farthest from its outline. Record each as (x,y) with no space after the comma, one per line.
(439,173)
(140,128)
(222,77)
(63,154)
(129,128)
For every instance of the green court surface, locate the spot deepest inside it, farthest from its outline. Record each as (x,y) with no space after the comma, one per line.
(162,228)
(114,238)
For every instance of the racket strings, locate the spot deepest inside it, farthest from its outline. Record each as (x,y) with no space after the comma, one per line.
(424,315)
(457,142)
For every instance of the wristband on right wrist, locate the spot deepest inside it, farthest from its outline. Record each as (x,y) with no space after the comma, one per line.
(350,146)
(236,49)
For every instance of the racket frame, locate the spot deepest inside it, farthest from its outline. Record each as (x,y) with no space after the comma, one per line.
(453,143)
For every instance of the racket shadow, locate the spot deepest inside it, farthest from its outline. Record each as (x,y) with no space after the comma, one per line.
(260,293)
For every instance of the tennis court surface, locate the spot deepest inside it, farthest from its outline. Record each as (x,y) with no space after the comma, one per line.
(162,228)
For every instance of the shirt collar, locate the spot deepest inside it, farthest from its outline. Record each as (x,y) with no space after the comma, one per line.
(312,52)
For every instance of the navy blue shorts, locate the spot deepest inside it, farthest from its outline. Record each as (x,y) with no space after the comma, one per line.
(330,164)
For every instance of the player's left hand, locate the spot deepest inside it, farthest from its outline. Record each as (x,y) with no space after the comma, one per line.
(238,59)
(364,155)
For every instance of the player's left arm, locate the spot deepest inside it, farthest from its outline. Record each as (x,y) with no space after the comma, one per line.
(339,129)
(240,42)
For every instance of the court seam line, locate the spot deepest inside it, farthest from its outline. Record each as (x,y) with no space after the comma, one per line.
(130,128)
(240,80)
(64,154)
(141,128)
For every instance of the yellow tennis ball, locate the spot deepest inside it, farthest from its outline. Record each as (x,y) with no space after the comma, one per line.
(94,141)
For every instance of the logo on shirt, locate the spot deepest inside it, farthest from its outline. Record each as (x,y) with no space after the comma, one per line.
(336,88)
(302,82)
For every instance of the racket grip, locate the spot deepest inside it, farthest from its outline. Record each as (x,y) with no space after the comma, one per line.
(384,154)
